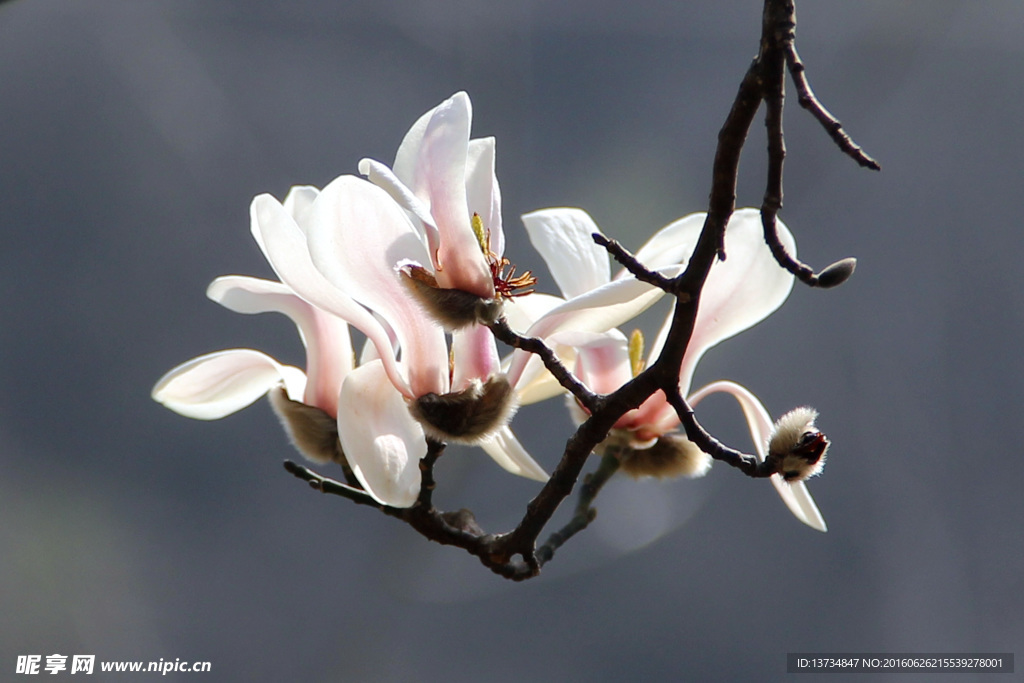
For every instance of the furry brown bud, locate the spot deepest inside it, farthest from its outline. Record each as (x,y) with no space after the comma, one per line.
(466,416)
(671,455)
(313,432)
(797,445)
(453,308)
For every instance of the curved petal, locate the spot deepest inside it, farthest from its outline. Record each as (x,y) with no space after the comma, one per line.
(298,203)
(328,344)
(441,176)
(384,178)
(796,496)
(482,192)
(381,440)
(221,383)
(740,291)
(599,310)
(285,245)
(564,239)
(510,454)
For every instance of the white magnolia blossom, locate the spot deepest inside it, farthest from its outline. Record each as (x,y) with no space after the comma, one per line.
(357,234)
(739,292)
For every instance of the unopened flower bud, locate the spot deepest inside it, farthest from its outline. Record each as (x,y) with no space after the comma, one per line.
(313,432)
(453,308)
(837,273)
(797,445)
(466,416)
(671,455)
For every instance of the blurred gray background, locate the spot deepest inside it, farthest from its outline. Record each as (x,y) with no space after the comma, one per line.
(133,136)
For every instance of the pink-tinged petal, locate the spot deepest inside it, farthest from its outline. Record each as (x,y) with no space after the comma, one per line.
(603,365)
(382,176)
(285,245)
(218,384)
(475,356)
(441,177)
(357,236)
(482,192)
(328,345)
(739,293)
(407,157)
(381,440)
(599,310)
(796,496)
(506,450)
(564,239)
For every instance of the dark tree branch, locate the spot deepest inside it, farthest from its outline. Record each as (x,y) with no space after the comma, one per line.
(585,513)
(515,555)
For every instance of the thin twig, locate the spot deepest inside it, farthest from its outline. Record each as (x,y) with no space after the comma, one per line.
(807,100)
(629,262)
(505,334)
(585,513)
(748,464)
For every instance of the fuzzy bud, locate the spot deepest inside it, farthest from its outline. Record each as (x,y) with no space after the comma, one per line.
(313,432)
(453,308)
(671,455)
(466,416)
(797,445)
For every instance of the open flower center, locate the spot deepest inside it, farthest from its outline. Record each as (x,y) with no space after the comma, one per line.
(506,283)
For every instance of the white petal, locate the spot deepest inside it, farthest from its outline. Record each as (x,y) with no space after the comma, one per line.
(286,248)
(298,203)
(482,192)
(381,440)
(221,383)
(796,496)
(564,239)
(740,291)
(383,177)
(357,236)
(510,454)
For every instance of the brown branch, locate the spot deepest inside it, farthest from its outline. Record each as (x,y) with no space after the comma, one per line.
(585,513)
(635,268)
(514,554)
(505,334)
(695,432)
(807,100)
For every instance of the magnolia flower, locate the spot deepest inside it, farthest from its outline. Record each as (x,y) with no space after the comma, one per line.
(446,183)
(381,440)
(345,261)
(739,292)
